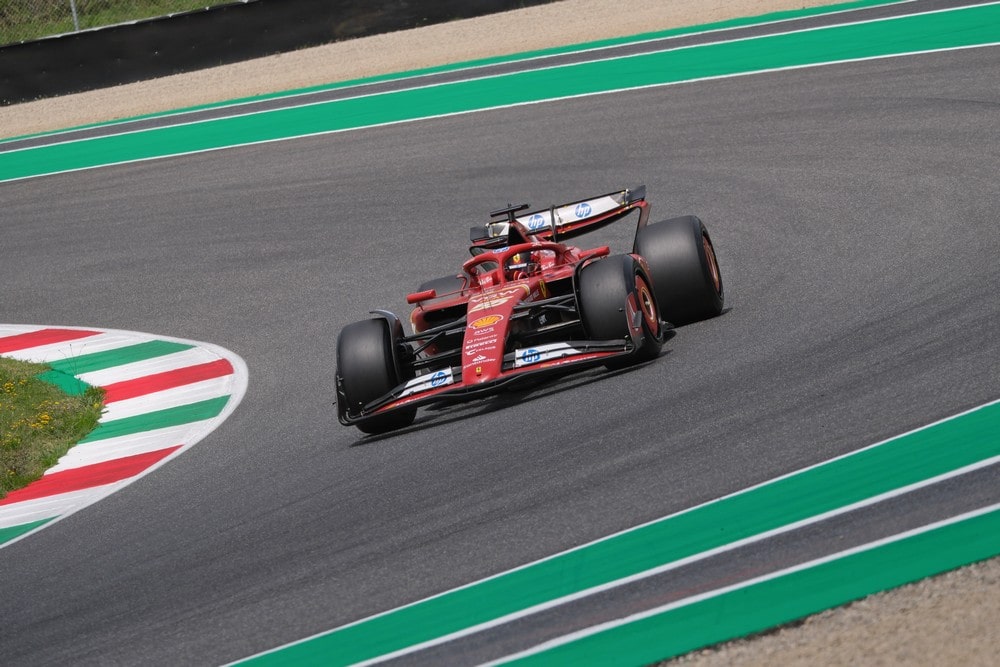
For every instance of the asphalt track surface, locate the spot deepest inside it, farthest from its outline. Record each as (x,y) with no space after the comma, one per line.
(854,209)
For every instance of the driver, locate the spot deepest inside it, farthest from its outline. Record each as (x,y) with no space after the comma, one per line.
(521,265)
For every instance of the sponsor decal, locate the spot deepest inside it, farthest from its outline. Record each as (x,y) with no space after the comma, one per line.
(508,292)
(427,382)
(479,359)
(550,352)
(579,211)
(536,222)
(478,343)
(486,321)
(496,298)
(500,251)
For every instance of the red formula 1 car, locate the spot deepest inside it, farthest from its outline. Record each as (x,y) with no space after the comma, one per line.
(527,304)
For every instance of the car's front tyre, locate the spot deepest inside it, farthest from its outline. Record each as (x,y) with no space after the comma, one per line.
(610,292)
(367,369)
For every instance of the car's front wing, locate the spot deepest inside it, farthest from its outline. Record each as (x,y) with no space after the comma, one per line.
(448,385)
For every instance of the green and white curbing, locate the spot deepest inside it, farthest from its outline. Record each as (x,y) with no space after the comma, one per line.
(163,395)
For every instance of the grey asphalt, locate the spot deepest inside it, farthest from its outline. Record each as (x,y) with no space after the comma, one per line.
(854,208)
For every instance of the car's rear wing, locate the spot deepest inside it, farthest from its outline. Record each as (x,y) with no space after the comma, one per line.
(556,223)
(585,215)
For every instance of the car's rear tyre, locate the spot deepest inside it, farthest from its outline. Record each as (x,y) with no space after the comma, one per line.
(610,292)
(367,369)
(685,272)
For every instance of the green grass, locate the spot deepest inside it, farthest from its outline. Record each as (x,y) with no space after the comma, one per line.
(39,422)
(21,21)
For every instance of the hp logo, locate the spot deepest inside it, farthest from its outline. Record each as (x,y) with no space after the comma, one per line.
(537,221)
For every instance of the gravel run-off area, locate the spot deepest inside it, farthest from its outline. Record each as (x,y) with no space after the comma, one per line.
(945,620)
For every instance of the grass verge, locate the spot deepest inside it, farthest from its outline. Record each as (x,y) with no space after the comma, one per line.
(39,422)
(22,21)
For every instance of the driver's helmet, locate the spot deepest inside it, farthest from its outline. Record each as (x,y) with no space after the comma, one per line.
(521,265)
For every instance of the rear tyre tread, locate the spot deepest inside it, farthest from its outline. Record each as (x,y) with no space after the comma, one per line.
(684,268)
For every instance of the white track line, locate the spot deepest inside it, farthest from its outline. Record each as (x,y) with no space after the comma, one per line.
(674,565)
(669,517)
(898,537)
(500,60)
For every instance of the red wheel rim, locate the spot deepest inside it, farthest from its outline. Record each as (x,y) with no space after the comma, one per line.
(647,305)
(713,265)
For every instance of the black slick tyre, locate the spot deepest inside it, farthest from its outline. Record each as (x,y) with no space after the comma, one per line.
(612,291)
(367,369)
(685,272)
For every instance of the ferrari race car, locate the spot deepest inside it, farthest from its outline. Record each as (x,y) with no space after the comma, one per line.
(526,304)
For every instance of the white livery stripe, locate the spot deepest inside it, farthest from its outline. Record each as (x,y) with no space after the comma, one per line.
(535,355)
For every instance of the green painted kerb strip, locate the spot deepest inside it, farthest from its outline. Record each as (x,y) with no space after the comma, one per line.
(518,57)
(98,361)
(8,534)
(65,381)
(897,463)
(149,421)
(923,32)
(770,603)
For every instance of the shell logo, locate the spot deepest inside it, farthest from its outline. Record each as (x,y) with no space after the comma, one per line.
(486,321)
